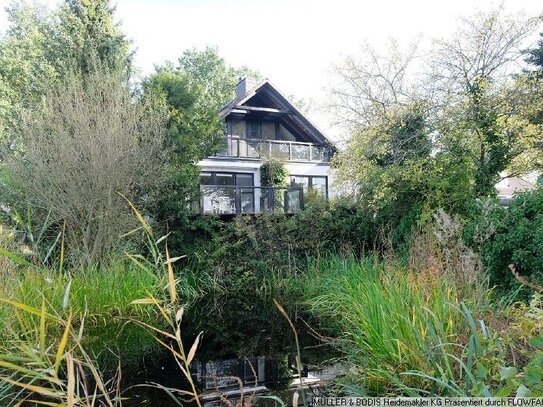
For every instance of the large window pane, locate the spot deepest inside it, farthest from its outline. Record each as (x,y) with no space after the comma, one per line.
(225,179)
(268,131)
(205,178)
(238,128)
(245,180)
(254,130)
(319,184)
(300,181)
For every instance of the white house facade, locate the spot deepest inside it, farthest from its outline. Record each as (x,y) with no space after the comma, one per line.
(260,123)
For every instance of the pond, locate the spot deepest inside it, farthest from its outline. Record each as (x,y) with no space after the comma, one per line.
(247,351)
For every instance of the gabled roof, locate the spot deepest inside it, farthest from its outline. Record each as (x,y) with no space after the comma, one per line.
(275,104)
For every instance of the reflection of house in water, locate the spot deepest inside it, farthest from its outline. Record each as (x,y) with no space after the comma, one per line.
(235,377)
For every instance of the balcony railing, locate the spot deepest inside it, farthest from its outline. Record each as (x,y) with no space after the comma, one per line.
(290,150)
(235,200)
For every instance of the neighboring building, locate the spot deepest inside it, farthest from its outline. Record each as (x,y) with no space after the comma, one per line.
(261,122)
(508,187)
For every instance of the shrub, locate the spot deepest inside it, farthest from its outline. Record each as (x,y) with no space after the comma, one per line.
(89,142)
(510,235)
(241,252)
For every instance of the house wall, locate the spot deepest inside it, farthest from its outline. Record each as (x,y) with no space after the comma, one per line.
(253,167)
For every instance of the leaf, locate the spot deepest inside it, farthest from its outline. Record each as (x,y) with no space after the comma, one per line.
(70,390)
(139,216)
(505,391)
(44,391)
(144,301)
(66,299)
(174,259)
(507,372)
(171,278)
(193,348)
(28,308)
(275,398)
(16,258)
(536,341)
(523,391)
(63,343)
(179,315)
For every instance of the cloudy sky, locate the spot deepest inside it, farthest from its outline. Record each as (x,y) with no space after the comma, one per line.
(293,43)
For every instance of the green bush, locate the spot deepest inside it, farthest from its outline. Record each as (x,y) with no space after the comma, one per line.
(510,235)
(243,251)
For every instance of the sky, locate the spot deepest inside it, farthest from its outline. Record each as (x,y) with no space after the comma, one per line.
(293,43)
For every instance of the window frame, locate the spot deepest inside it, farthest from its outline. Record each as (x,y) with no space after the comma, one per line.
(310,179)
(237,189)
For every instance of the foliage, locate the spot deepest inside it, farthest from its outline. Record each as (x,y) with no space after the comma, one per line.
(41,47)
(193,91)
(42,368)
(511,235)
(437,137)
(90,141)
(395,320)
(242,252)
(534,56)
(273,172)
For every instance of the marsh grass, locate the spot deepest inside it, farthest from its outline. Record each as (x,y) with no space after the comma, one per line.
(394,321)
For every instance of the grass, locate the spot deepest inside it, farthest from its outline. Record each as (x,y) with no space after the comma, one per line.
(394,320)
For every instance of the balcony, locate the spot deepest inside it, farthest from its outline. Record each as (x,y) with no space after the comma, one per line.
(236,200)
(237,147)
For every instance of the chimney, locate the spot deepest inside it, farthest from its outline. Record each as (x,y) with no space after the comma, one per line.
(244,85)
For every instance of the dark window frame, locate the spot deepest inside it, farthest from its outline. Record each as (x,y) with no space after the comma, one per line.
(310,179)
(238,191)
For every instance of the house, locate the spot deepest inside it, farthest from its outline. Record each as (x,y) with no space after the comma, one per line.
(261,124)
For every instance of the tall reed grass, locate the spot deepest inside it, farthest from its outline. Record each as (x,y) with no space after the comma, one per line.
(394,321)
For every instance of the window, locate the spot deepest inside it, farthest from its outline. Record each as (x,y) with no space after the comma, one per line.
(224,192)
(254,130)
(309,182)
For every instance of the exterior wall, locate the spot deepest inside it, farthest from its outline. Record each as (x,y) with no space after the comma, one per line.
(253,167)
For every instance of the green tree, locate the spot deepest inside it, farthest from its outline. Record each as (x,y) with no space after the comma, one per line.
(534,57)
(193,91)
(472,71)
(41,47)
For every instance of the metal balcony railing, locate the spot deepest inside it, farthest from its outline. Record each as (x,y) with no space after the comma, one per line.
(235,200)
(290,150)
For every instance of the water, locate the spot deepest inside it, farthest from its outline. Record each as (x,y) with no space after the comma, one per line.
(247,351)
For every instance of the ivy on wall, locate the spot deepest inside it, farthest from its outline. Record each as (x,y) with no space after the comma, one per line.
(273,173)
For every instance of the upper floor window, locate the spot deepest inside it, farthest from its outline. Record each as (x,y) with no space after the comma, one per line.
(254,130)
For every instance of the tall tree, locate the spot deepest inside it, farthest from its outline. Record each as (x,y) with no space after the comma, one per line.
(88,35)
(42,46)
(193,91)
(475,67)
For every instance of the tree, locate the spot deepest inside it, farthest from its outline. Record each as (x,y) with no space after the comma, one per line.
(193,90)
(89,143)
(433,132)
(473,70)
(41,47)
(87,35)
(534,57)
